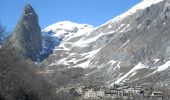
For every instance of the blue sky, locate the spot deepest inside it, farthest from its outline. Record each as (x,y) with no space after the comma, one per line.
(93,12)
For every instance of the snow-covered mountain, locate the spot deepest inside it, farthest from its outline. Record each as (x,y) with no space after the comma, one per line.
(133,47)
(60,36)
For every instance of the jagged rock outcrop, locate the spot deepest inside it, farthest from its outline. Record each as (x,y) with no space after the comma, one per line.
(26,37)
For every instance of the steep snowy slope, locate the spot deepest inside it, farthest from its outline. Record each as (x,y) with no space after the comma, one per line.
(139,46)
(132,46)
(60,36)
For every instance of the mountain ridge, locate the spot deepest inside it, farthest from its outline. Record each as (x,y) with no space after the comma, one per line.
(130,49)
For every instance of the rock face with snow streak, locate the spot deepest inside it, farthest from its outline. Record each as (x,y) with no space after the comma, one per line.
(132,46)
(139,39)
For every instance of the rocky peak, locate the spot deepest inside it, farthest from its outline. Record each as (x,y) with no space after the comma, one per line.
(29,13)
(28,9)
(26,37)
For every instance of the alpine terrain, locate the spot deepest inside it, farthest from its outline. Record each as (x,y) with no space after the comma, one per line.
(26,37)
(133,47)
(126,58)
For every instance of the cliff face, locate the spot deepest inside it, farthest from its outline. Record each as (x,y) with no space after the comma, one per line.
(26,37)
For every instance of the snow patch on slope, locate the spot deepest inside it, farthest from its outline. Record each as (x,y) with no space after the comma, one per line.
(163,67)
(131,72)
(124,44)
(84,42)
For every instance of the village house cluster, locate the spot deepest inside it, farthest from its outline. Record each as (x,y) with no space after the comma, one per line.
(116,92)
